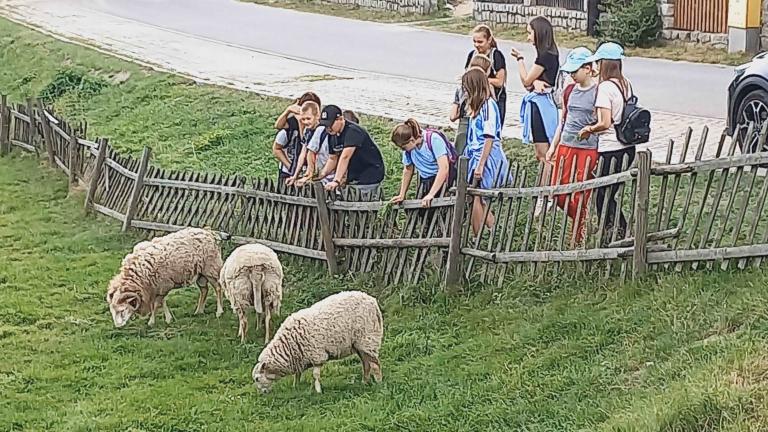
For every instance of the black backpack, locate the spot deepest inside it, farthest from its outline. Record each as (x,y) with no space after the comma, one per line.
(635,125)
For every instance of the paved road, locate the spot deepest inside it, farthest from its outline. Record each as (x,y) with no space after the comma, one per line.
(674,87)
(387,70)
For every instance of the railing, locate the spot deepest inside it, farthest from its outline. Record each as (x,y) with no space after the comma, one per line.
(709,16)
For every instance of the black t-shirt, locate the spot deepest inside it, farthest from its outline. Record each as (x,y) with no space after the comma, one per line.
(499,63)
(366,166)
(551,64)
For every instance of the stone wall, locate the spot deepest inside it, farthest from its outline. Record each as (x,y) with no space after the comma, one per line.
(422,7)
(764,29)
(519,14)
(667,10)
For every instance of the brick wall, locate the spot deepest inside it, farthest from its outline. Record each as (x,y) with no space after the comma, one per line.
(422,7)
(506,12)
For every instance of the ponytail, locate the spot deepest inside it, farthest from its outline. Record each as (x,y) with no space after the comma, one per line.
(405,132)
(487,32)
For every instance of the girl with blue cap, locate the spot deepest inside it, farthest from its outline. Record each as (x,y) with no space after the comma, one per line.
(569,150)
(488,165)
(612,93)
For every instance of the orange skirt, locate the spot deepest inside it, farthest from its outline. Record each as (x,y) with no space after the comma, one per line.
(585,163)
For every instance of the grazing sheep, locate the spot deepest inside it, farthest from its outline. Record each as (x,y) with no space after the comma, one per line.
(253,277)
(155,268)
(331,329)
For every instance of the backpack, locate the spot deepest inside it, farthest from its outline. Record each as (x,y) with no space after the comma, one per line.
(562,82)
(453,156)
(635,125)
(566,94)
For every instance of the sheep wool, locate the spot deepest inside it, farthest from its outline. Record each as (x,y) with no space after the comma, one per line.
(340,325)
(252,277)
(156,267)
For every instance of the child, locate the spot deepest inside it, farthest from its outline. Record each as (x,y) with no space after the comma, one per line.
(428,152)
(308,120)
(488,165)
(458,109)
(569,144)
(287,145)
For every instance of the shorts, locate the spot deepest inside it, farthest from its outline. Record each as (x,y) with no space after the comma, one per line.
(425,184)
(538,131)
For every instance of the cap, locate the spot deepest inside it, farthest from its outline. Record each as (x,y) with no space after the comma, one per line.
(608,51)
(577,58)
(329,115)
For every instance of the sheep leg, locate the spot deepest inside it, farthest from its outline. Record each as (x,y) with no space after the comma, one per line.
(267,318)
(296,379)
(373,365)
(152,308)
(167,312)
(203,295)
(219,303)
(316,376)
(366,367)
(243,329)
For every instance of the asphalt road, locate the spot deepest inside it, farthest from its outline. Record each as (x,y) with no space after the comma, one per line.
(674,87)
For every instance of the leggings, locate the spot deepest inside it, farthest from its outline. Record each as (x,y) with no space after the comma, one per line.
(614,214)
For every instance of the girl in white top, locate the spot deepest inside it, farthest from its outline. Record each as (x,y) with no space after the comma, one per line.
(612,92)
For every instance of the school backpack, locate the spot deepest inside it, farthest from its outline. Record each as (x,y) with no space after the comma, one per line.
(453,156)
(635,125)
(562,82)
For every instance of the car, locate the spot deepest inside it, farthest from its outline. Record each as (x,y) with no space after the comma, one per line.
(748,102)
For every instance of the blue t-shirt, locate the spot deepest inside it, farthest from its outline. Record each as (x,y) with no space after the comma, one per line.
(424,159)
(487,124)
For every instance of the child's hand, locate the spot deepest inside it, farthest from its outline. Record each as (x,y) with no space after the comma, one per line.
(514,53)
(585,133)
(302,181)
(427,200)
(551,155)
(479,172)
(397,199)
(540,86)
(290,181)
(294,109)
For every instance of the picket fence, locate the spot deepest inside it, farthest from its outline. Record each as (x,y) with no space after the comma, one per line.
(686,214)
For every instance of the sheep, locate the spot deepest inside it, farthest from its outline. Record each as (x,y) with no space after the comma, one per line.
(155,268)
(331,329)
(253,277)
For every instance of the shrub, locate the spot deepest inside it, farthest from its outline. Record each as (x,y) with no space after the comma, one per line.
(630,22)
(69,81)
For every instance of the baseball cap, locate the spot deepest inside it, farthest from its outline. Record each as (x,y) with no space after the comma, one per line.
(576,59)
(329,115)
(608,51)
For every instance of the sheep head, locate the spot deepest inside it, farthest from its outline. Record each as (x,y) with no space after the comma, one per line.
(122,304)
(263,377)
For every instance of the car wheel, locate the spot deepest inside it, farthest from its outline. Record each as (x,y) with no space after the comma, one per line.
(753,108)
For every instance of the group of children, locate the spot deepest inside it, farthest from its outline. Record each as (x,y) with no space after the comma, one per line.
(329,145)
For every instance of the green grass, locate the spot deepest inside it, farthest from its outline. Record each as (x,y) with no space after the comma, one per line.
(677,353)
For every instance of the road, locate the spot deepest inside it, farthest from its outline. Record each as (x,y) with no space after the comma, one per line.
(382,69)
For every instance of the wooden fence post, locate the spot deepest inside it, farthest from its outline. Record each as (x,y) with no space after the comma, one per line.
(96,174)
(325,228)
(32,124)
(453,271)
(72,162)
(461,135)
(640,255)
(138,186)
(47,134)
(5,126)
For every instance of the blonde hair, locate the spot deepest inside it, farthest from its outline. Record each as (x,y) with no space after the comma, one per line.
(481,61)
(475,84)
(311,107)
(403,133)
(487,32)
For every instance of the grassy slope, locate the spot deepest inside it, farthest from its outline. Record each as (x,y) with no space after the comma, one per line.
(684,353)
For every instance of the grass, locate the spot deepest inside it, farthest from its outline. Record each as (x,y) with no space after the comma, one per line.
(443,21)
(676,353)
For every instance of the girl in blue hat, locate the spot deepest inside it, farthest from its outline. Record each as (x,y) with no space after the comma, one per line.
(612,92)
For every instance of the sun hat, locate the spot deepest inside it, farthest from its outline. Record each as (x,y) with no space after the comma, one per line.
(577,58)
(608,51)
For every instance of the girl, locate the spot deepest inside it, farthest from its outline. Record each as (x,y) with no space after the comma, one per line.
(614,89)
(459,109)
(567,147)
(538,112)
(427,152)
(488,164)
(485,44)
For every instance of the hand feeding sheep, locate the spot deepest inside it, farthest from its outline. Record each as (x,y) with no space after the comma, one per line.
(165,263)
(338,326)
(252,277)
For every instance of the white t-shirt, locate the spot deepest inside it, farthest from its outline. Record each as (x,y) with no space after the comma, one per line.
(609,96)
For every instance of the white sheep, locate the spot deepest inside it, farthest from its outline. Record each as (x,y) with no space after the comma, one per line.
(155,268)
(340,325)
(252,277)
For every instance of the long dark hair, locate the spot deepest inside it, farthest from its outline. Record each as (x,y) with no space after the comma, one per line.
(475,83)
(543,36)
(612,70)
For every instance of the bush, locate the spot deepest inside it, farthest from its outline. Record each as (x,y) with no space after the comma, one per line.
(630,22)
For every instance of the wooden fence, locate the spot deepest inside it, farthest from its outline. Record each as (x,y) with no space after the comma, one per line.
(678,214)
(576,5)
(709,16)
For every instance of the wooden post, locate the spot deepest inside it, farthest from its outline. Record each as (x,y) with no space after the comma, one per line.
(453,269)
(138,186)
(47,134)
(461,135)
(325,228)
(5,126)
(96,174)
(640,255)
(32,124)
(72,162)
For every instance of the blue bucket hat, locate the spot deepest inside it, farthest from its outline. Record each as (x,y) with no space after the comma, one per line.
(608,51)
(577,58)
